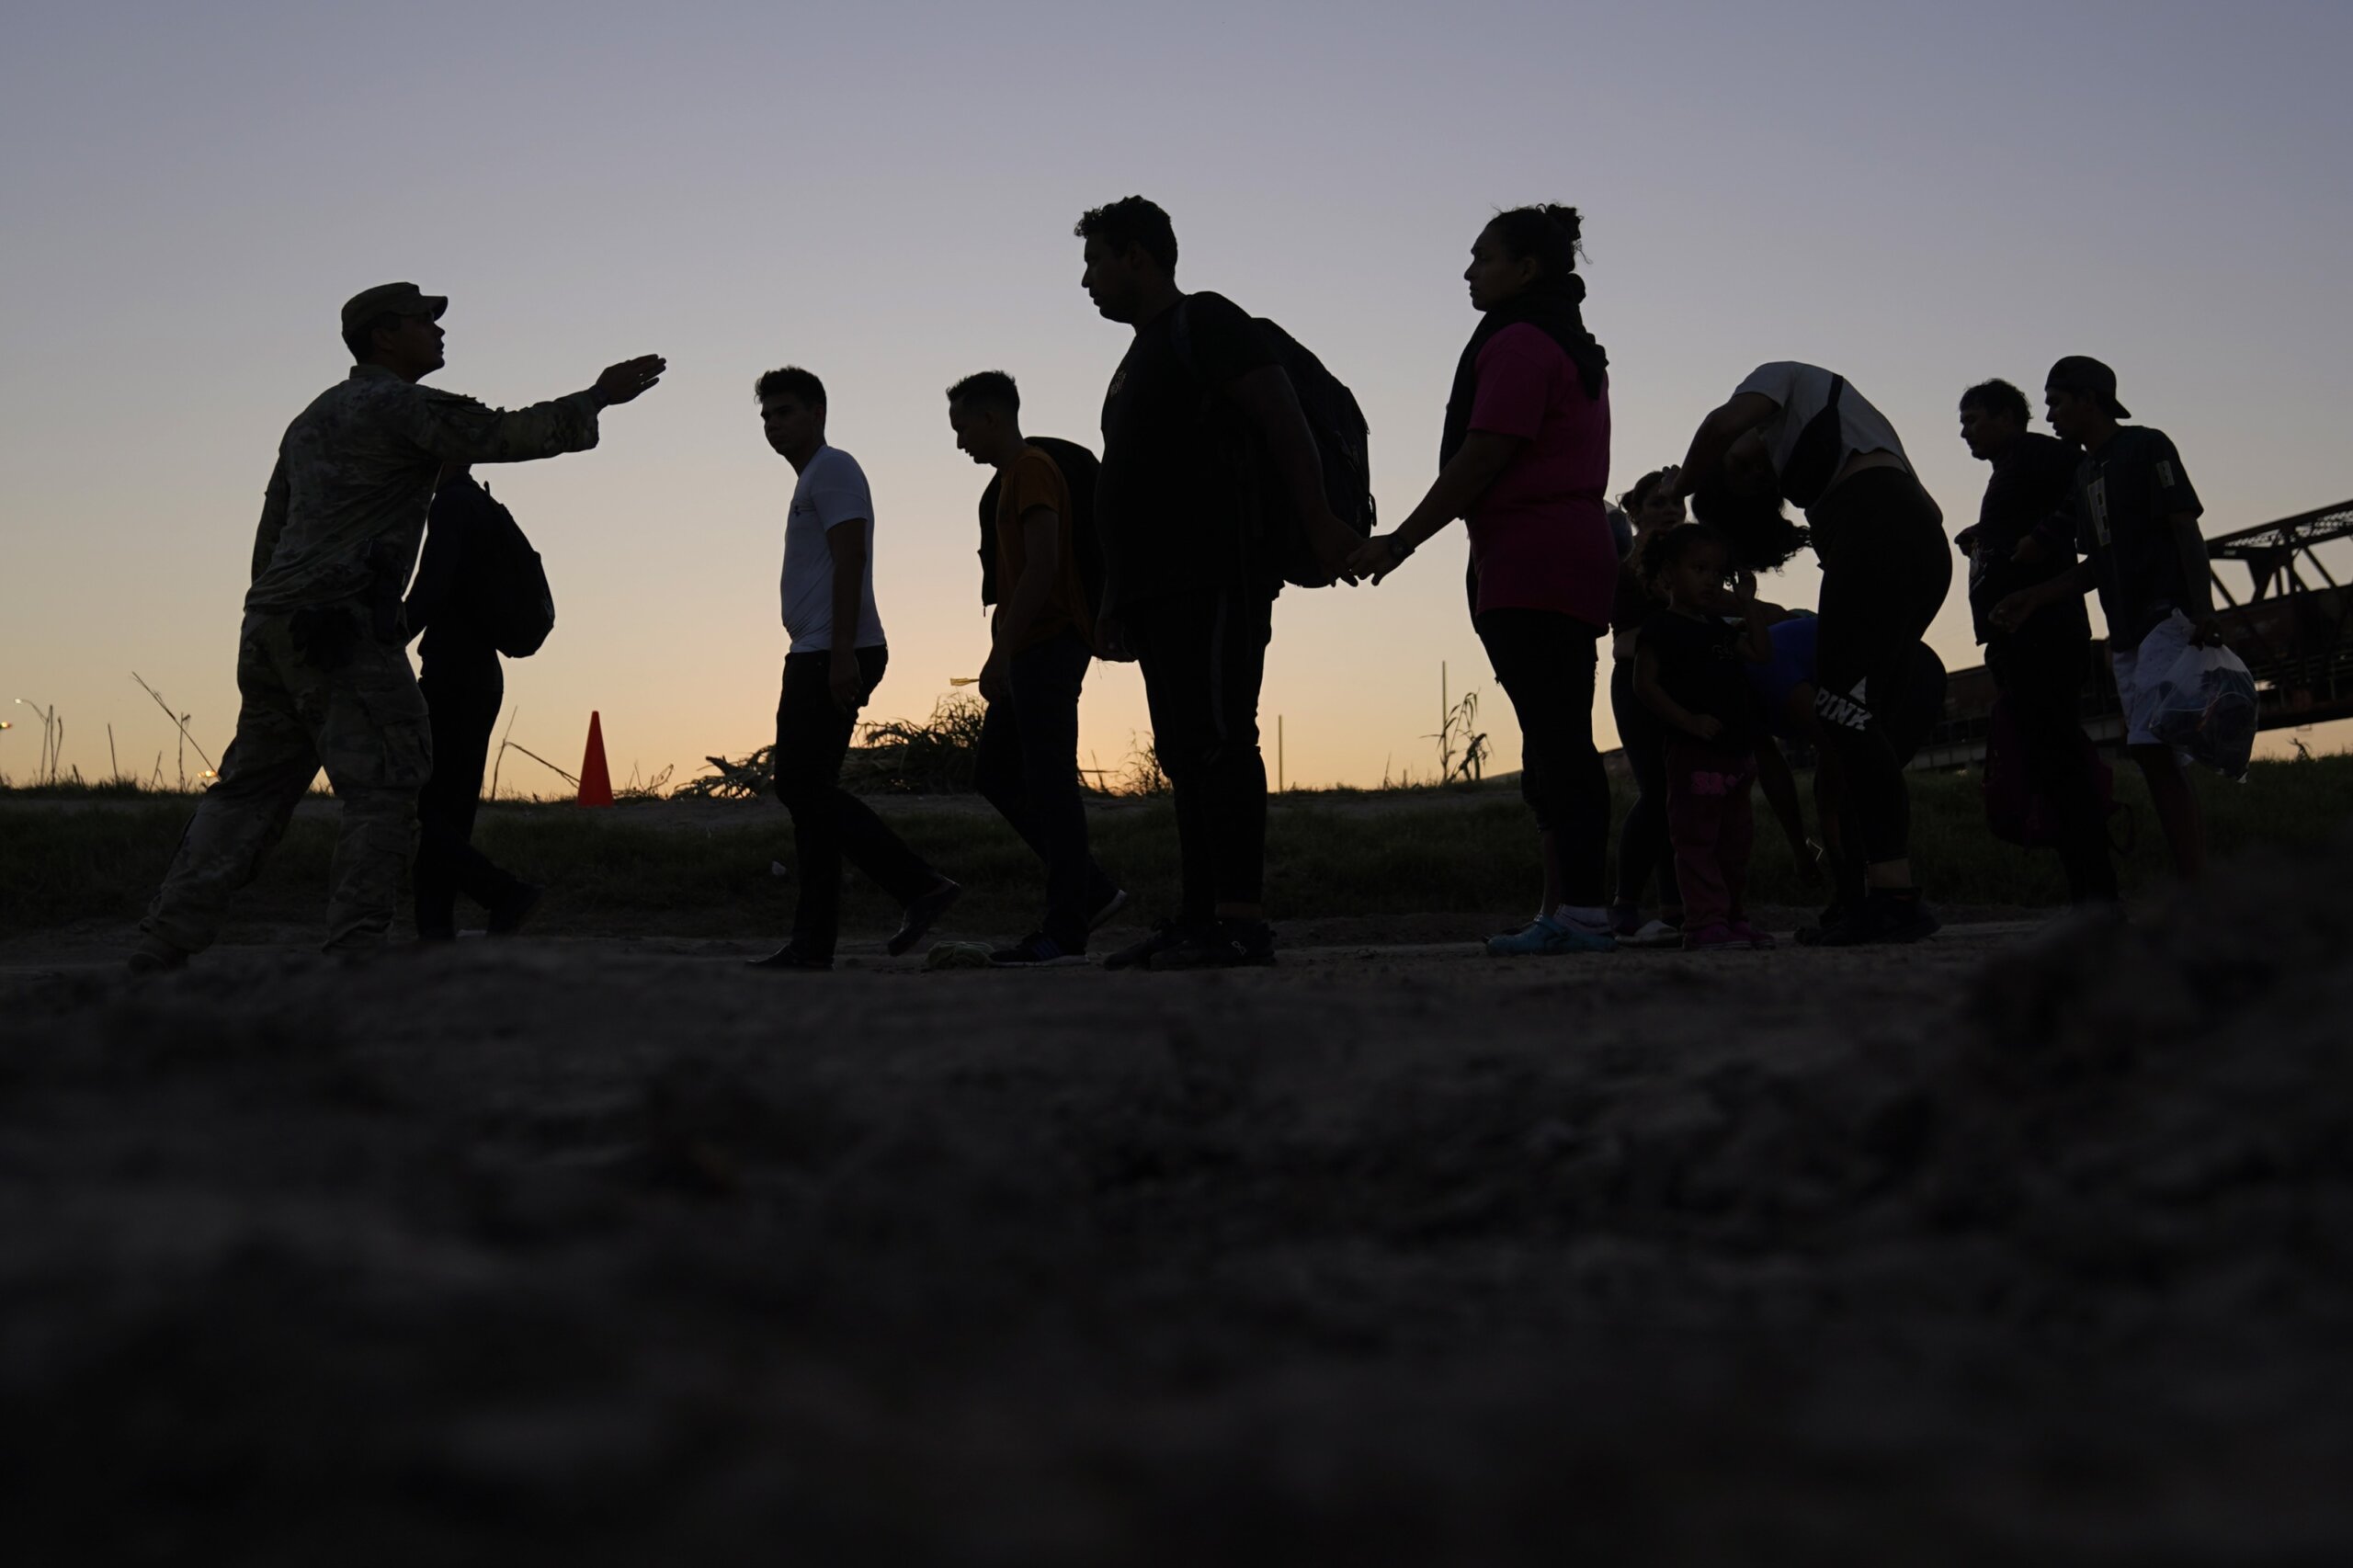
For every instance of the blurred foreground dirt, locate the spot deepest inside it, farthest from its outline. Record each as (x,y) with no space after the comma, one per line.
(2012,1247)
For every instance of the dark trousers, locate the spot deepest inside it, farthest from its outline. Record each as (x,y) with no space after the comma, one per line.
(1027,768)
(1885,567)
(1545,662)
(2040,673)
(463,703)
(1203,655)
(829,823)
(1643,844)
(1714,827)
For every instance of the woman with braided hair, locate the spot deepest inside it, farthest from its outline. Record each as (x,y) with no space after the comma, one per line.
(1524,460)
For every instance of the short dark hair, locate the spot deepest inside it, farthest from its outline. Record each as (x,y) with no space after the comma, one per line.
(1550,232)
(1132,220)
(790,381)
(987,389)
(1755,529)
(1668,547)
(361,339)
(1997,396)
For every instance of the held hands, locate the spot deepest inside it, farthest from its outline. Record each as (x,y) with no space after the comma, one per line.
(625,381)
(846,682)
(1111,640)
(1705,726)
(1377,557)
(1336,547)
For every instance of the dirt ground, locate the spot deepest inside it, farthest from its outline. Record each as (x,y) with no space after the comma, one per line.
(2023,1245)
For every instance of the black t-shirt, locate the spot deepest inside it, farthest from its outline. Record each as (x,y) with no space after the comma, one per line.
(2032,483)
(1171,503)
(2124,494)
(1703,667)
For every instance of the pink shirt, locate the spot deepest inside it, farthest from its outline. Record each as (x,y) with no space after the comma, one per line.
(1539,536)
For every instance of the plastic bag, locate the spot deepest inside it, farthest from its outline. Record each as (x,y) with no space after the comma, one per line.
(2205,708)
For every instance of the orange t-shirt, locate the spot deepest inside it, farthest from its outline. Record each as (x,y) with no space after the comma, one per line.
(1037,481)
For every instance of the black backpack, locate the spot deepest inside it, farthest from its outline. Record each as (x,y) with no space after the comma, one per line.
(505,592)
(1341,440)
(1079,469)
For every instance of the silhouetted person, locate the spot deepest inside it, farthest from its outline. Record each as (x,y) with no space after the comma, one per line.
(323,670)
(834,661)
(1192,585)
(1799,433)
(1040,643)
(1643,846)
(1525,457)
(2136,521)
(458,671)
(2038,669)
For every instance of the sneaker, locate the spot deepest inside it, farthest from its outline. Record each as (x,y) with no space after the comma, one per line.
(791,956)
(156,956)
(1109,906)
(1762,941)
(1716,936)
(1625,919)
(1036,950)
(506,917)
(922,915)
(1654,934)
(1138,954)
(1546,936)
(1882,918)
(1816,935)
(1221,944)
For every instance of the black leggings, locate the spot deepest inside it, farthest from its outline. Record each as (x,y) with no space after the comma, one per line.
(1643,846)
(1544,661)
(1885,567)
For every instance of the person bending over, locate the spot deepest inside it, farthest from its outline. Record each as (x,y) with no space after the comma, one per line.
(2136,518)
(834,661)
(1040,643)
(1690,669)
(1800,433)
(1525,459)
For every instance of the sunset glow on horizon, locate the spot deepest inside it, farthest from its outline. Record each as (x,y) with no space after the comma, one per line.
(884,194)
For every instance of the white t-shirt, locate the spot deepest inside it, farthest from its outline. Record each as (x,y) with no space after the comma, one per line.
(831,492)
(1808,443)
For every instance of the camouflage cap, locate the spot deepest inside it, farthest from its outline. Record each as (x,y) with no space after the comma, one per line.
(391,299)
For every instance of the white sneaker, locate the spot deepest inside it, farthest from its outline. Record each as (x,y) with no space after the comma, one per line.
(1655,933)
(1112,906)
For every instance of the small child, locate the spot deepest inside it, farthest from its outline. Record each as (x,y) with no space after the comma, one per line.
(1691,668)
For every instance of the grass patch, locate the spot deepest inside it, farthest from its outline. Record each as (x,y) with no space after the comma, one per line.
(672,869)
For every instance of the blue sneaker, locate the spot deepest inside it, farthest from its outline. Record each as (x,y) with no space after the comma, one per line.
(1546,938)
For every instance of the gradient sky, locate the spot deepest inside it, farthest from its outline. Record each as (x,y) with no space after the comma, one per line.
(1918,196)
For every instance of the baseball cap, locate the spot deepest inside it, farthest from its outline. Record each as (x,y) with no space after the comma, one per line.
(391,299)
(2082,373)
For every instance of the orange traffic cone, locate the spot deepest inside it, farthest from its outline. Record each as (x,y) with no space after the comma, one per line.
(595,779)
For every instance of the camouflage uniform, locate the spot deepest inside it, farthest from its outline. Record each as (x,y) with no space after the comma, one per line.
(323,670)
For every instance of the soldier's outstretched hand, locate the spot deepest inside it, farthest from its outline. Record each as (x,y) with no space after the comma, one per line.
(623,382)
